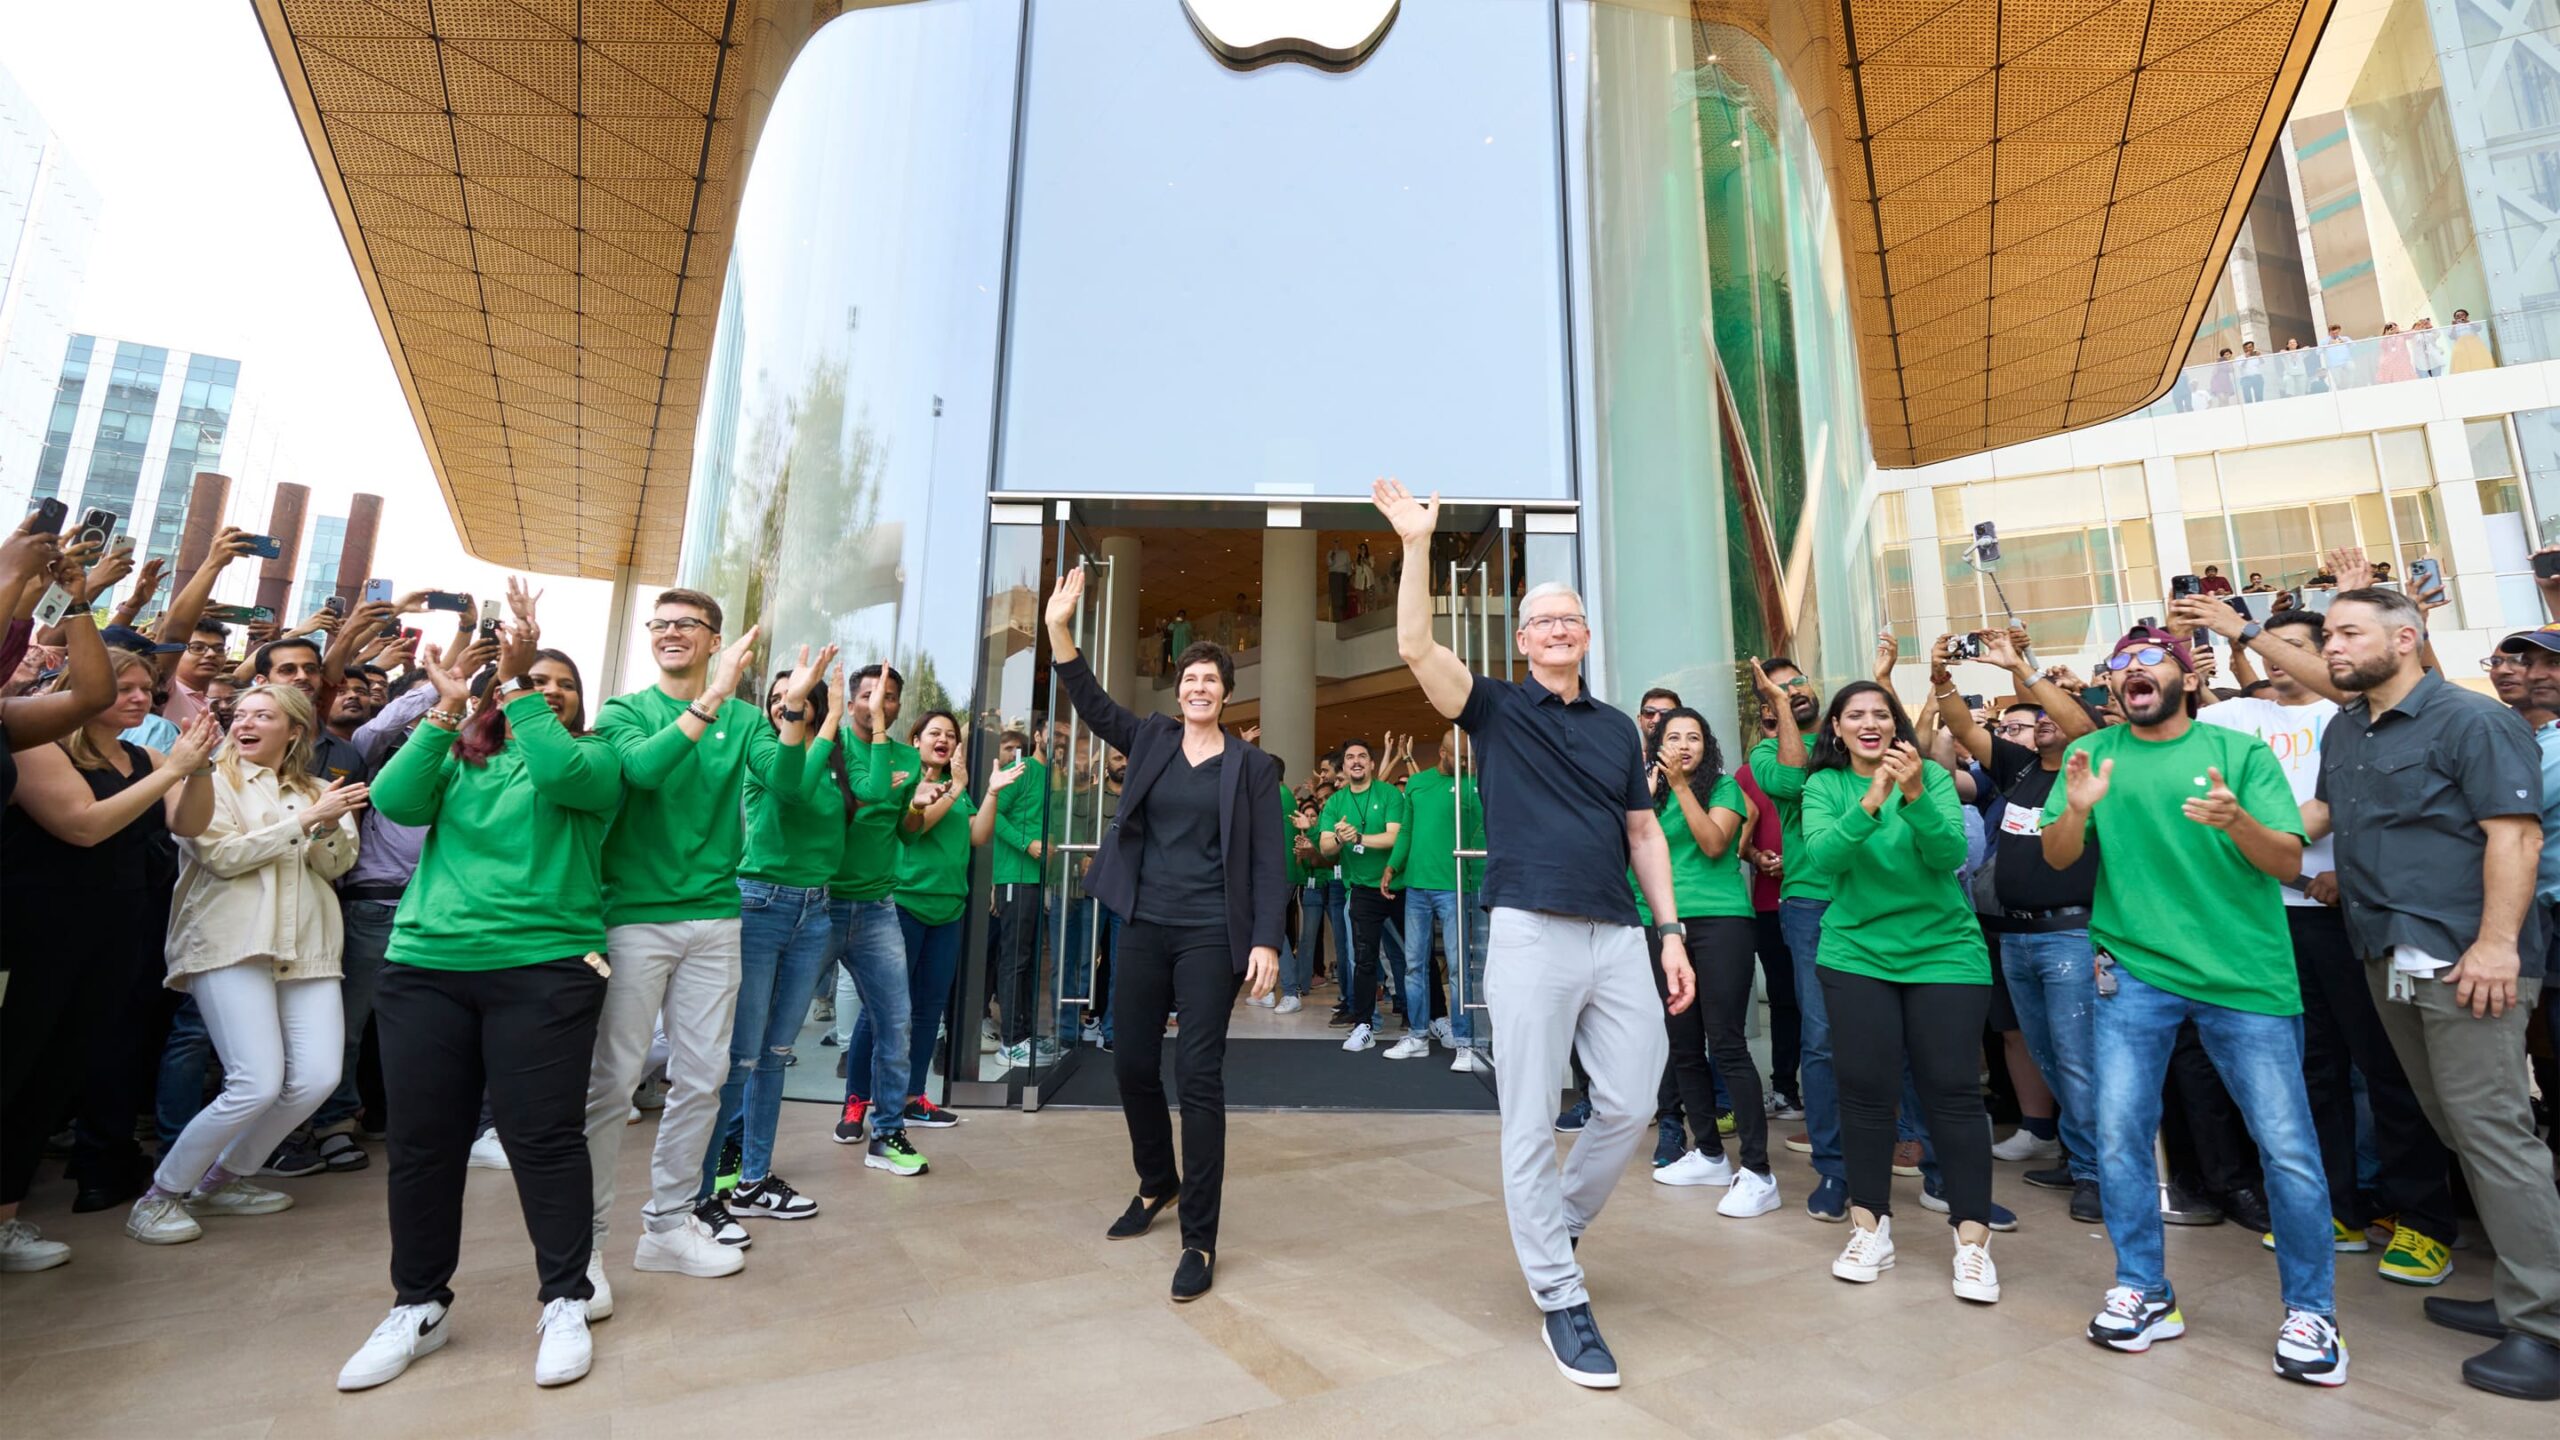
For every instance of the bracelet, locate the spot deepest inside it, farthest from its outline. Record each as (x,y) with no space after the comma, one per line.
(1947,694)
(698,713)
(439,718)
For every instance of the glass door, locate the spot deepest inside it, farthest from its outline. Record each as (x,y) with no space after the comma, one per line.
(1479,607)
(1066,982)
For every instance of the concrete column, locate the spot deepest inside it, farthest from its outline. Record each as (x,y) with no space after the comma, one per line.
(1289,649)
(275,575)
(205,504)
(1120,676)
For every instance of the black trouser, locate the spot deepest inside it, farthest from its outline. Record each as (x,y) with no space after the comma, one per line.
(1876,1025)
(1337,586)
(1786,1017)
(1017,957)
(2340,1028)
(526,1035)
(1190,972)
(1710,1032)
(1370,912)
(2207,1142)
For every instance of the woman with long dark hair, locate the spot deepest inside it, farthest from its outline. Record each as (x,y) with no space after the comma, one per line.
(1703,815)
(494,983)
(1904,972)
(1195,866)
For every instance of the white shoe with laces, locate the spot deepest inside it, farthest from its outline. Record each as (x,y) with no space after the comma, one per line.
(23,1249)
(600,1304)
(489,1153)
(1411,1047)
(238,1197)
(1441,1032)
(1290,1005)
(1695,1168)
(1976,1277)
(2022,1146)
(1751,1193)
(688,1249)
(2310,1349)
(1264,1001)
(1464,1062)
(1360,1039)
(159,1219)
(408,1332)
(567,1351)
(1868,1254)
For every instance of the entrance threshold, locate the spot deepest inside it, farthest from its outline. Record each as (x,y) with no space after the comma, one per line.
(1299,1075)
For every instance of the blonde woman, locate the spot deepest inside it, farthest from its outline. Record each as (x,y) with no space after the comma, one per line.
(90,811)
(254,936)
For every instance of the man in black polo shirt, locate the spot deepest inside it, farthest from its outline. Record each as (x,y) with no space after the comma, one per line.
(1567,814)
(2436,797)
(2045,953)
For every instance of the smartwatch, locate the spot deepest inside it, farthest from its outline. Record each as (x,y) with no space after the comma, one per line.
(521,685)
(792,716)
(1669,929)
(2251,631)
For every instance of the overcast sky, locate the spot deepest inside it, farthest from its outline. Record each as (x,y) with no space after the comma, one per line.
(215,236)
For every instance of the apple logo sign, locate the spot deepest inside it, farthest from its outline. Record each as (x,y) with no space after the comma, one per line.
(1328,34)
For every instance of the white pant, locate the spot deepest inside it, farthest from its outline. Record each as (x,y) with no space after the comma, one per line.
(281,1043)
(683,974)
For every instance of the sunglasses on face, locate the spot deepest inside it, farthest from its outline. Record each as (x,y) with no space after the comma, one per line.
(1656,712)
(2147,655)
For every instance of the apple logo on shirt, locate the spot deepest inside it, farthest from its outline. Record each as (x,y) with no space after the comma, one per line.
(1328,34)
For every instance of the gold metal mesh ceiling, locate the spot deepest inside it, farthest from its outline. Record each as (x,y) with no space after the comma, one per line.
(2037,196)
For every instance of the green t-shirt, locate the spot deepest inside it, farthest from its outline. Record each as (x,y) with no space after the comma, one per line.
(2177,904)
(673,852)
(796,840)
(1018,820)
(512,873)
(1425,857)
(1784,785)
(1370,812)
(1897,912)
(1704,886)
(933,865)
(883,776)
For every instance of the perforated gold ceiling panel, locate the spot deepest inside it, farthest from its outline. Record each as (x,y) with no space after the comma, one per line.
(2036,196)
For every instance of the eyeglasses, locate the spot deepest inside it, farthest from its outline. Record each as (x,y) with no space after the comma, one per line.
(682,625)
(2015,727)
(2127,659)
(1796,683)
(2503,662)
(203,648)
(1655,712)
(1543,624)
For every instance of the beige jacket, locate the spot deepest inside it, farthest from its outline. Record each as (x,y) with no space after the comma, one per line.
(253,888)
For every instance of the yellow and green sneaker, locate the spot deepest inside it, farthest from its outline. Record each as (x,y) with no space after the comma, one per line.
(2415,1258)
(2345,1238)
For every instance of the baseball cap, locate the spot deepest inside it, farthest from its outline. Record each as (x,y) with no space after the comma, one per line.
(2546,637)
(2141,635)
(125,637)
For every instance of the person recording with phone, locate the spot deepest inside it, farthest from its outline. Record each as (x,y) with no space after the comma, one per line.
(493,986)
(938,831)
(1195,869)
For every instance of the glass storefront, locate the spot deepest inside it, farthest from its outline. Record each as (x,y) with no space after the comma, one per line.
(1006,269)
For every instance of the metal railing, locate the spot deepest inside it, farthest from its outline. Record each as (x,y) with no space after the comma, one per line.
(2329,368)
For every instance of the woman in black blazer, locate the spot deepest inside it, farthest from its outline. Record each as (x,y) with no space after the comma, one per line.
(1193,866)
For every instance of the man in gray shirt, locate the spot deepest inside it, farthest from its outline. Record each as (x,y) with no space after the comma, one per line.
(2435,795)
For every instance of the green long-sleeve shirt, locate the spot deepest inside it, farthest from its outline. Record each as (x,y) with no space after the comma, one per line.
(1897,912)
(1784,785)
(1425,857)
(1018,818)
(884,777)
(512,870)
(673,854)
(933,865)
(796,839)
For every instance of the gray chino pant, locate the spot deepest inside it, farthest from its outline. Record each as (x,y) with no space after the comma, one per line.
(2471,1082)
(687,971)
(1555,984)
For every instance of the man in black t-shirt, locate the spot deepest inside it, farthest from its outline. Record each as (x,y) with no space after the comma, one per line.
(2043,924)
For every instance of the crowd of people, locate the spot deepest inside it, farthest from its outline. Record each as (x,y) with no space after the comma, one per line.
(2288,918)
(2417,351)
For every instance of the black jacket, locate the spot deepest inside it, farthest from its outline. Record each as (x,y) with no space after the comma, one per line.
(1251,834)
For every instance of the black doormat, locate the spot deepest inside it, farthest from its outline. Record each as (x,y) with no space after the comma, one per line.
(1300,1075)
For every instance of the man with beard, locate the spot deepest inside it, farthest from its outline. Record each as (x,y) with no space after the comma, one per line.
(2436,794)
(2196,826)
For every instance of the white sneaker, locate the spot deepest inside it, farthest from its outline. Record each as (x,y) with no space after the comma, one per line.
(1265,1001)
(1752,1194)
(408,1332)
(162,1220)
(24,1249)
(988,1041)
(1441,1032)
(1976,1277)
(1360,1039)
(489,1153)
(1695,1168)
(1016,1057)
(567,1352)
(600,1304)
(1093,1034)
(2022,1146)
(634,1117)
(1290,1005)
(238,1197)
(688,1249)
(1868,1254)
(1411,1047)
(1464,1062)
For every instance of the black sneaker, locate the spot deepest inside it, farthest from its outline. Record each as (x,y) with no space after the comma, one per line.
(892,1153)
(2248,1210)
(724,1227)
(725,1178)
(2182,1206)
(1574,1339)
(2086,1207)
(1191,1278)
(849,1128)
(771,1198)
(294,1157)
(924,1114)
(1338,1020)
(2057,1177)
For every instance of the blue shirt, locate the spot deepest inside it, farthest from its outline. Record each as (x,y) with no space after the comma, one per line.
(156,732)
(1558,778)
(2546,883)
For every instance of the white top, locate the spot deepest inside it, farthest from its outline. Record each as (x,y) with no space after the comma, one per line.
(2293,732)
(1338,560)
(253,888)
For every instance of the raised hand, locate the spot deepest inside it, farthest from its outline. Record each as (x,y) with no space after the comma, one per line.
(452,691)
(998,778)
(1413,520)
(1251,734)
(195,744)
(2216,807)
(1768,689)
(229,543)
(733,663)
(2001,648)
(342,798)
(1061,610)
(2349,564)
(516,652)
(28,552)
(521,599)
(2204,612)
(804,675)
(109,572)
(1888,653)
(2082,787)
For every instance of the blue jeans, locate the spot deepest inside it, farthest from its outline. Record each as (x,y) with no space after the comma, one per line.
(2053,979)
(1423,908)
(783,943)
(1800,920)
(933,958)
(2260,1060)
(185,1059)
(1298,967)
(1072,965)
(872,948)
(368,939)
